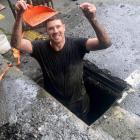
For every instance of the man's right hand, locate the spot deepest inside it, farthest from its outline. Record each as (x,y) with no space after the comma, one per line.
(21,6)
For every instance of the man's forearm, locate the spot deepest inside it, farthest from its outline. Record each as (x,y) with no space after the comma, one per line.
(103,40)
(101,33)
(17,32)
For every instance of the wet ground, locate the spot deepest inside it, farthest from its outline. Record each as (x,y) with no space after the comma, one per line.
(121,18)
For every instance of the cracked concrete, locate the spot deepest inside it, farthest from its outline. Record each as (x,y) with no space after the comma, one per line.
(37,112)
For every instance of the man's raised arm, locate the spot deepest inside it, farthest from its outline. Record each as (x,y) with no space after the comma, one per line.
(102,40)
(16,38)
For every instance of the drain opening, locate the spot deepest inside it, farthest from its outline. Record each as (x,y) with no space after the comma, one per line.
(103,90)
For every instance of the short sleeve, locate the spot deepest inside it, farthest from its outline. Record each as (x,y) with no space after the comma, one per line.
(37,46)
(81,45)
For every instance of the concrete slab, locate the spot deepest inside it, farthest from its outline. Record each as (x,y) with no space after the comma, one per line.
(38,113)
(120,124)
(132,102)
(41,116)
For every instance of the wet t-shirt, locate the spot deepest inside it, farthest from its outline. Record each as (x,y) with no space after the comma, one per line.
(62,70)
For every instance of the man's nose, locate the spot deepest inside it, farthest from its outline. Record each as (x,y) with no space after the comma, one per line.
(55,30)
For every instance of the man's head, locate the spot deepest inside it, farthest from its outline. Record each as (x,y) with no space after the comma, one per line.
(55,29)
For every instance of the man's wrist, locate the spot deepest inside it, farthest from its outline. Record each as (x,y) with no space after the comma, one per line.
(19,13)
(93,20)
(91,17)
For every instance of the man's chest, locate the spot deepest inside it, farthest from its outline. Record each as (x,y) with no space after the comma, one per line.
(61,61)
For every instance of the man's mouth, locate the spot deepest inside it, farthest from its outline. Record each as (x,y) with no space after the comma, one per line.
(56,37)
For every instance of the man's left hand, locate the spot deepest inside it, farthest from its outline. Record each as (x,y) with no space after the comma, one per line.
(89,10)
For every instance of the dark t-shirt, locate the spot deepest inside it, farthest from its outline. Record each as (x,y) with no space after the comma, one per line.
(63,70)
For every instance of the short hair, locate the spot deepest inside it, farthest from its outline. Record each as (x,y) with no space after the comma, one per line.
(55,17)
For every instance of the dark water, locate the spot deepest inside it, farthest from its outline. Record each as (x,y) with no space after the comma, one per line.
(100,102)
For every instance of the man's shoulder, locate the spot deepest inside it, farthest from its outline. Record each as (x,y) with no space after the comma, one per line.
(40,44)
(72,38)
(77,40)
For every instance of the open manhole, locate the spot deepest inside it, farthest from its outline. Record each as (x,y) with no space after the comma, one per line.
(102,88)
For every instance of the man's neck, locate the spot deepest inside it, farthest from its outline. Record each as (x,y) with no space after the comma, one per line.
(57,46)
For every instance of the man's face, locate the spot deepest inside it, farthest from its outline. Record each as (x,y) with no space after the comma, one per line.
(56,30)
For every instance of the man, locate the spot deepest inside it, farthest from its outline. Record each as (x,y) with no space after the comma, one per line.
(61,57)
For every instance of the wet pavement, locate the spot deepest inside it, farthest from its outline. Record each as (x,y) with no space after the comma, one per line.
(121,18)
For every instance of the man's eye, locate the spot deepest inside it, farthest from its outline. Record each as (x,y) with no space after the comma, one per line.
(50,29)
